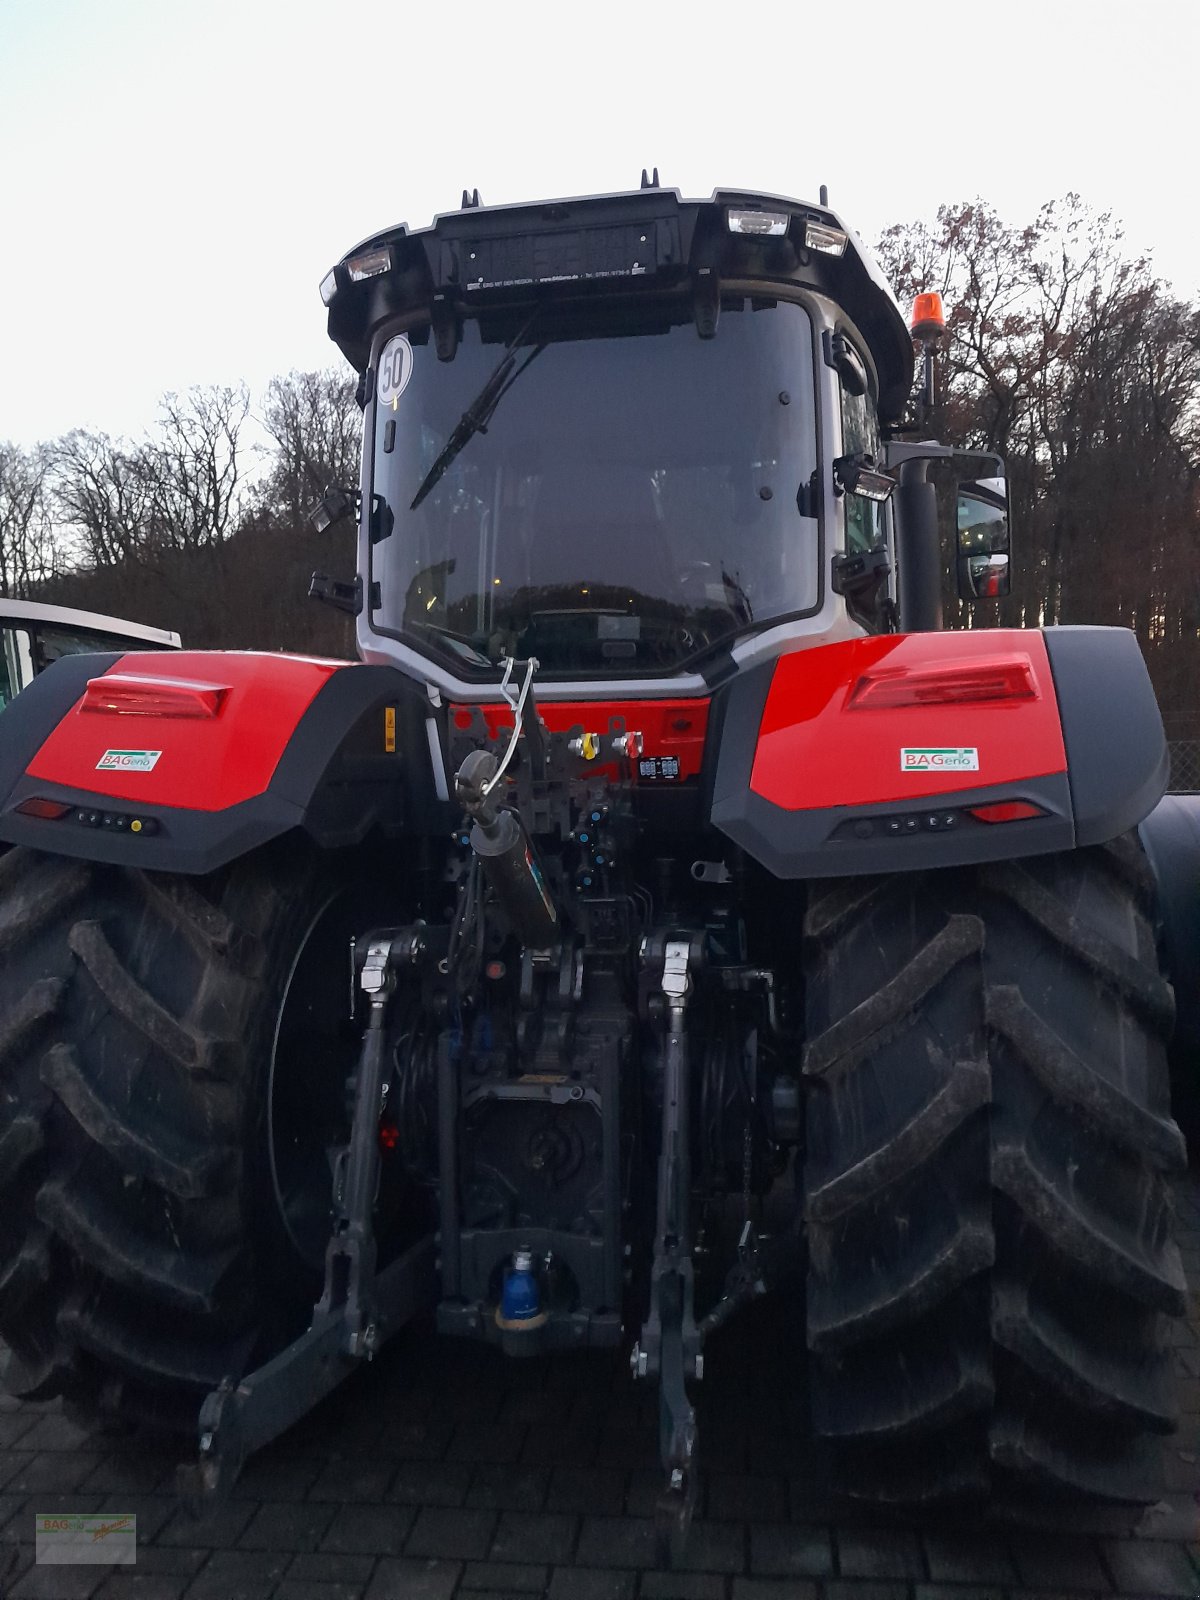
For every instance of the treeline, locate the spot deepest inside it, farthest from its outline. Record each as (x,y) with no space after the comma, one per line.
(1065,354)
(201,526)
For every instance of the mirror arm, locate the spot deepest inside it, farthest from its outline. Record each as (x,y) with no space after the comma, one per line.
(896,453)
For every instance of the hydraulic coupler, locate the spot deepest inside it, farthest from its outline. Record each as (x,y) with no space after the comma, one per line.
(499,839)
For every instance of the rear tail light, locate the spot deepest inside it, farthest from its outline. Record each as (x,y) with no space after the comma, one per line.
(962,683)
(47,810)
(1005,811)
(129,695)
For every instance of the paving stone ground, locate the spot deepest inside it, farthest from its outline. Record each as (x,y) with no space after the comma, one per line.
(445,1471)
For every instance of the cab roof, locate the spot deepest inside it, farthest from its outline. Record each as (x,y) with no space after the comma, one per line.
(609,245)
(17,611)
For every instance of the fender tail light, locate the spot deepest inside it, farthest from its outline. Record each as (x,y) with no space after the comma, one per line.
(955,683)
(131,695)
(1005,811)
(46,810)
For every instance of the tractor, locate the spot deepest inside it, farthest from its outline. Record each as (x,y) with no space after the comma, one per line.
(33,636)
(662,906)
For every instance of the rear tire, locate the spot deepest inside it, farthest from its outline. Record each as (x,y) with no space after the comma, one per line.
(143,1248)
(989,1142)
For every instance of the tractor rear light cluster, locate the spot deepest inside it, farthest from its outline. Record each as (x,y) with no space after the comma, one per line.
(1010,678)
(131,695)
(935,819)
(46,810)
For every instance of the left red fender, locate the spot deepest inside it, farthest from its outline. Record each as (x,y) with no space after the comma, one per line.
(184,761)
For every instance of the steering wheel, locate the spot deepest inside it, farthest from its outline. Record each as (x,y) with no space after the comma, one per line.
(695,577)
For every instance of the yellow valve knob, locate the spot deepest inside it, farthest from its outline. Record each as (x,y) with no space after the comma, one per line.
(587,746)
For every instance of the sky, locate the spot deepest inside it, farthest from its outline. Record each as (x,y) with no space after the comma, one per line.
(177,177)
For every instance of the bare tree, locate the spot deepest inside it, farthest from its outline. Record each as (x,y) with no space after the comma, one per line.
(99,497)
(316,426)
(193,465)
(28,552)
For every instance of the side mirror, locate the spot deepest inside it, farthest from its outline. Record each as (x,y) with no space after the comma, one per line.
(983,542)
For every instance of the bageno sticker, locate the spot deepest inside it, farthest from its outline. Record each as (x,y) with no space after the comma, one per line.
(128,761)
(89,1539)
(395,369)
(944,758)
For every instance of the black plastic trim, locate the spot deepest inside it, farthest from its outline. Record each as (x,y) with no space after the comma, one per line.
(185,841)
(735,718)
(800,844)
(26,721)
(1117,754)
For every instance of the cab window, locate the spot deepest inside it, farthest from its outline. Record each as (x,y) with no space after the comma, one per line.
(860,436)
(16,664)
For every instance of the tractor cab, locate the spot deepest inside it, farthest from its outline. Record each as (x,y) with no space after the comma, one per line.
(628,507)
(622,435)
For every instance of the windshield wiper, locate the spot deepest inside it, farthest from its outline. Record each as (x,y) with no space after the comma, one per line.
(479,413)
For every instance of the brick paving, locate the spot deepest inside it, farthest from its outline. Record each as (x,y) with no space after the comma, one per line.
(444,1472)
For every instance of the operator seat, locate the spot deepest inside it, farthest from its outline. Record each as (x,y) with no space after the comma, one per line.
(588,530)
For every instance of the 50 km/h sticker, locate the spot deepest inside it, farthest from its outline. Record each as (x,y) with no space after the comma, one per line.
(395,369)
(939,758)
